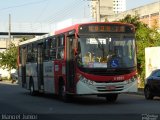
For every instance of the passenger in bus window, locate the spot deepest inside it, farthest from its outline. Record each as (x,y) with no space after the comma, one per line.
(60,54)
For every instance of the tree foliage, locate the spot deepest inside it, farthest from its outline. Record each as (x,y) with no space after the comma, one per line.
(145,37)
(8,58)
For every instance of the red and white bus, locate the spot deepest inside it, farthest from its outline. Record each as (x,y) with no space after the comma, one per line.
(83,59)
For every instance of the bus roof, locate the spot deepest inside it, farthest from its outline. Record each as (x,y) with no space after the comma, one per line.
(76,26)
(36,38)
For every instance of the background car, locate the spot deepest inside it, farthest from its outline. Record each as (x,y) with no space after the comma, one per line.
(152,87)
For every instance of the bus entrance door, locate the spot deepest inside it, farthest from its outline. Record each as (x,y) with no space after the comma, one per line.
(70,64)
(40,68)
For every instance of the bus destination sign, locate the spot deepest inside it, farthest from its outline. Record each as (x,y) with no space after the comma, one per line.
(106,28)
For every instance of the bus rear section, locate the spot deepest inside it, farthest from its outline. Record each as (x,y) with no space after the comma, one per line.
(84,59)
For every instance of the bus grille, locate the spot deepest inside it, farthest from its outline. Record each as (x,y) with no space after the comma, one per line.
(105,89)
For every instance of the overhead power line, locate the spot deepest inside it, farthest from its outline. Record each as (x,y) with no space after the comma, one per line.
(64,12)
(42,11)
(61,14)
(22,5)
(58,15)
(61,11)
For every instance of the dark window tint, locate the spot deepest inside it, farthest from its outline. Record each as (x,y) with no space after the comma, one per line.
(60,49)
(60,40)
(47,47)
(53,48)
(156,74)
(29,53)
(35,52)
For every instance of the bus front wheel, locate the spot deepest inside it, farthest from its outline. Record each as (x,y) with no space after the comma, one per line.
(111,98)
(62,93)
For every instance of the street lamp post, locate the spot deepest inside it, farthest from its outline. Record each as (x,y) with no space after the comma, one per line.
(98,16)
(159,15)
(9,31)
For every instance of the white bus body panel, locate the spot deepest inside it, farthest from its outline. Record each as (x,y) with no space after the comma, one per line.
(31,71)
(48,76)
(48,72)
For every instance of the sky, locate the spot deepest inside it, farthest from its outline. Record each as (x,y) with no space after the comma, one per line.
(42,10)
(34,14)
(136,3)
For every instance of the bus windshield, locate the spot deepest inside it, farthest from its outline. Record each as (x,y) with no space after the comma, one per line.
(106,52)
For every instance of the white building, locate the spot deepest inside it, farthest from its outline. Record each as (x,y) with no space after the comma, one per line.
(103,9)
(119,6)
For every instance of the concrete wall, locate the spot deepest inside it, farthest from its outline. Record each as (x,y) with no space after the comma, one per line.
(5,41)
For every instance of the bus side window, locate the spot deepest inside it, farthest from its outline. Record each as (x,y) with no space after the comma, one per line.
(60,54)
(47,47)
(72,44)
(24,55)
(53,48)
(30,57)
(27,54)
(35,52)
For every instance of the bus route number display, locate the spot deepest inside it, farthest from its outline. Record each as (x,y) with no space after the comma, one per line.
(106,28)
(97,28)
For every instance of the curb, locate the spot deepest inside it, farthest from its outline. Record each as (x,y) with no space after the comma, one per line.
(8,82)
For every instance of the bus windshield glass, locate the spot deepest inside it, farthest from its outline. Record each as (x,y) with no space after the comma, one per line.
(106,52)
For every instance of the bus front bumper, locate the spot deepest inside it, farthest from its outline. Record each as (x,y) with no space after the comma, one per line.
(90,87)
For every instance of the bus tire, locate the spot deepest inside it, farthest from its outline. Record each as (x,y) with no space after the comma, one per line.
(111,98)
(31,88)
(62,93)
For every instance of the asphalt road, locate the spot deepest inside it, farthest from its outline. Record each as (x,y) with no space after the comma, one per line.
(15,100)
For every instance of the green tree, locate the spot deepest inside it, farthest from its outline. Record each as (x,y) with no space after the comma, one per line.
(8,58)
(145,37)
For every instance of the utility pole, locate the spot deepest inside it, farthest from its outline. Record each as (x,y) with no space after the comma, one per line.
(98,11)
(97,8)
(9,31)
(159,15)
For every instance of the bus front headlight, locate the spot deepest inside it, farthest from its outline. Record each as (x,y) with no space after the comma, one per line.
(131,80)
